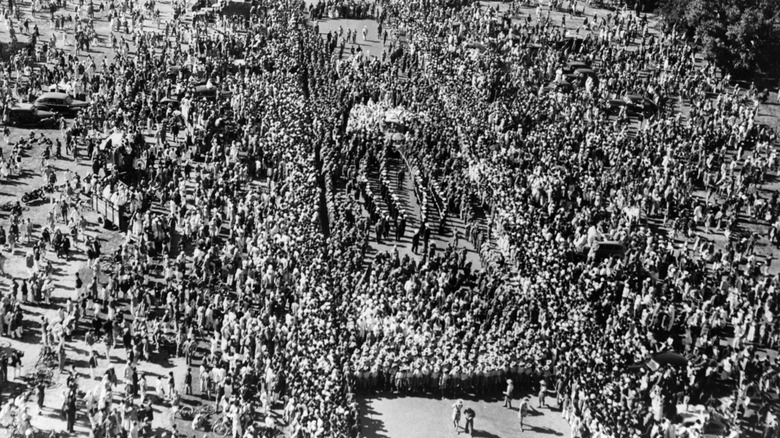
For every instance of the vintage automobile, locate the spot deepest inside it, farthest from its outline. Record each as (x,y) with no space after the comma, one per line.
(25,114)
(598,251)
(607,250)
(563,86)
(59,103)
(200,90)
(635,105)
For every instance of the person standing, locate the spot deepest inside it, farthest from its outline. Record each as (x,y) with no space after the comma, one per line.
(16,363)
(71,411)
(19,318)
(456,414)
(12,325)
(109,339)
(79,286)
(399,231)
(93,364)
(188,382)
(134,381)
(523,412)
(469,414)
(204,380)
(41,392)
(132,432)
(171,384)
(142,387)
(3,369)
(188,350)
(510,388)
(542,393)
(219,394)
(61,354)
(45,331)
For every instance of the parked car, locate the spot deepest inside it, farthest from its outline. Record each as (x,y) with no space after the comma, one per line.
(573,66)
(608,249)
(25,114)
(561,87)
(198,5)
(209,93)
(584,73)
(640,104)
(574,44)
(598,251)
(171,102)
(635,104)
(59,103)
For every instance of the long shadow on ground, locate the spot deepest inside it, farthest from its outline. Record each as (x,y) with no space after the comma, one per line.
(371,424)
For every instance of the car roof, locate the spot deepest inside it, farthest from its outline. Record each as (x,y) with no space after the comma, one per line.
(53,95)
(22,106)
(610,243)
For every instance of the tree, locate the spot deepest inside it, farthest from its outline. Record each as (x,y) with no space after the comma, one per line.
(740,36)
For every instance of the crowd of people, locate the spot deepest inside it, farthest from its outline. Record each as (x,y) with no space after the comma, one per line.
(250,216)
(556,170)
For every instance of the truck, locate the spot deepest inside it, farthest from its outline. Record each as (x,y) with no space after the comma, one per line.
(109,215)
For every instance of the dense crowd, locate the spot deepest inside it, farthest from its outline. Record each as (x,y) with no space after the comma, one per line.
(554,174)
(249,206)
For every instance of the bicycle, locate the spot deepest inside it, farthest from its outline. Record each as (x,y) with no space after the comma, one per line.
(45,372)
(16,429)
(223,427)
(207,409)
(18,432)
(47,359)
(42,374)
(186,413)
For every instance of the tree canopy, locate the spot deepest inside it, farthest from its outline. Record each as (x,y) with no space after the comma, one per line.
(741,36)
